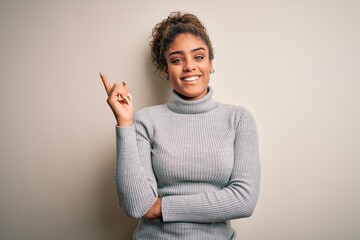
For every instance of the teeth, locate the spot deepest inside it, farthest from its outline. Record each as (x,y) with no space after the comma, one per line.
(190,79)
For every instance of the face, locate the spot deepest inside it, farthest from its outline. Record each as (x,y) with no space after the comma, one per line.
(188,66)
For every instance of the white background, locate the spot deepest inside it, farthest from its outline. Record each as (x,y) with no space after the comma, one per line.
(294,64)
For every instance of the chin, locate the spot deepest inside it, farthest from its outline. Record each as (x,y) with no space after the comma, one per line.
(194,94)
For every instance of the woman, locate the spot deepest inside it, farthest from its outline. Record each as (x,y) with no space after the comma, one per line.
(189,166)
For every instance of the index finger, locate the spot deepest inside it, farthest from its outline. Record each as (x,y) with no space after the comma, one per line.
(106,83)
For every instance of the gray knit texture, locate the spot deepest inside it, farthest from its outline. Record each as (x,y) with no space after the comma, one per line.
(200,156)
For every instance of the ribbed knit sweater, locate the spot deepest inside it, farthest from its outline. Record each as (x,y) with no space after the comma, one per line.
(200,156)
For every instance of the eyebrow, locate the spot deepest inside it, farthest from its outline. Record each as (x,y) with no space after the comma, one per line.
(181,52)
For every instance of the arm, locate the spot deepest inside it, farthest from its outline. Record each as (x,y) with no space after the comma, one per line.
(135,182)
(238,198)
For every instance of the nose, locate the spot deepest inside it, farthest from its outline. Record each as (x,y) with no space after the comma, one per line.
(189,65)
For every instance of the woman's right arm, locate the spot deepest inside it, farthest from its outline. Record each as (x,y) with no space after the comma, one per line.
(135,182)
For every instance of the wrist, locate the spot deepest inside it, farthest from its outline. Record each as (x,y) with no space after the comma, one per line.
(124,123)
(155,211)
(159,207)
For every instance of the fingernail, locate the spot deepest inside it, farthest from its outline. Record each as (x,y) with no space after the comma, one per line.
(100,73)
(127,100)
(124,83)
(129,96)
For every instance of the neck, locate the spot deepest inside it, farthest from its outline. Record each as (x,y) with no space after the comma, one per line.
(204,104)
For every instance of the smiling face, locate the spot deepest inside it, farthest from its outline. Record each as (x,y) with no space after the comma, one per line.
(188,66)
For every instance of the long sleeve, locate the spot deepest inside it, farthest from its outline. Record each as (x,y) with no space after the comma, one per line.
(200,156)
(135,182)
(238,198)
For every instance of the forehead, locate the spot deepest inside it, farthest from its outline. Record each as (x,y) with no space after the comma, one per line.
(186,42)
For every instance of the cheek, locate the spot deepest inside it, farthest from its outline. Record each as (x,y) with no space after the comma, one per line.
(206,68)
(174,71)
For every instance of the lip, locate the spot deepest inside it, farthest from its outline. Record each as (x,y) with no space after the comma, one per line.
(190,78)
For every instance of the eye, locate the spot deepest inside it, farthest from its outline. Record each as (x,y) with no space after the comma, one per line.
(177,60)
(199,57)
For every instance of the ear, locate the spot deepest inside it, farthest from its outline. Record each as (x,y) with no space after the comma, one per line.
(166,72)
(211,66)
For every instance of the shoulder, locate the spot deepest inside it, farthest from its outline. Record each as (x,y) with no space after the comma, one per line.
(237,114)
(147,112)
(144,119)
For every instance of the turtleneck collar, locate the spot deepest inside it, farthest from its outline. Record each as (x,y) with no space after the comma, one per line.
(204,104)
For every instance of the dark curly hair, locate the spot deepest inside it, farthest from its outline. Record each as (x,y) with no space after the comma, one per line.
(165,32)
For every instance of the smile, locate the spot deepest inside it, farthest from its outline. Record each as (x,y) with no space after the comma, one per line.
(190,79)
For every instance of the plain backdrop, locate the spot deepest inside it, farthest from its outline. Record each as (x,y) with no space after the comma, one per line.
(294,64)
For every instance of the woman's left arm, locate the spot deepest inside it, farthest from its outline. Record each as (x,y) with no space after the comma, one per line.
(238,199)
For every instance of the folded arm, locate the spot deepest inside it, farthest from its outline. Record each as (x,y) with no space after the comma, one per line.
(238,198)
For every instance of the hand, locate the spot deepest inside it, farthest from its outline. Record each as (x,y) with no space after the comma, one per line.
(119,100)
(155,211)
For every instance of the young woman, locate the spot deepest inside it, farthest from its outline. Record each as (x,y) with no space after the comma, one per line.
(189,166)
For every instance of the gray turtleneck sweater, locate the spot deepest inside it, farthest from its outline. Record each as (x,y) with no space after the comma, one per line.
(200,156)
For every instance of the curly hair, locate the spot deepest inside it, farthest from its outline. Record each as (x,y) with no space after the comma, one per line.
(165,32)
